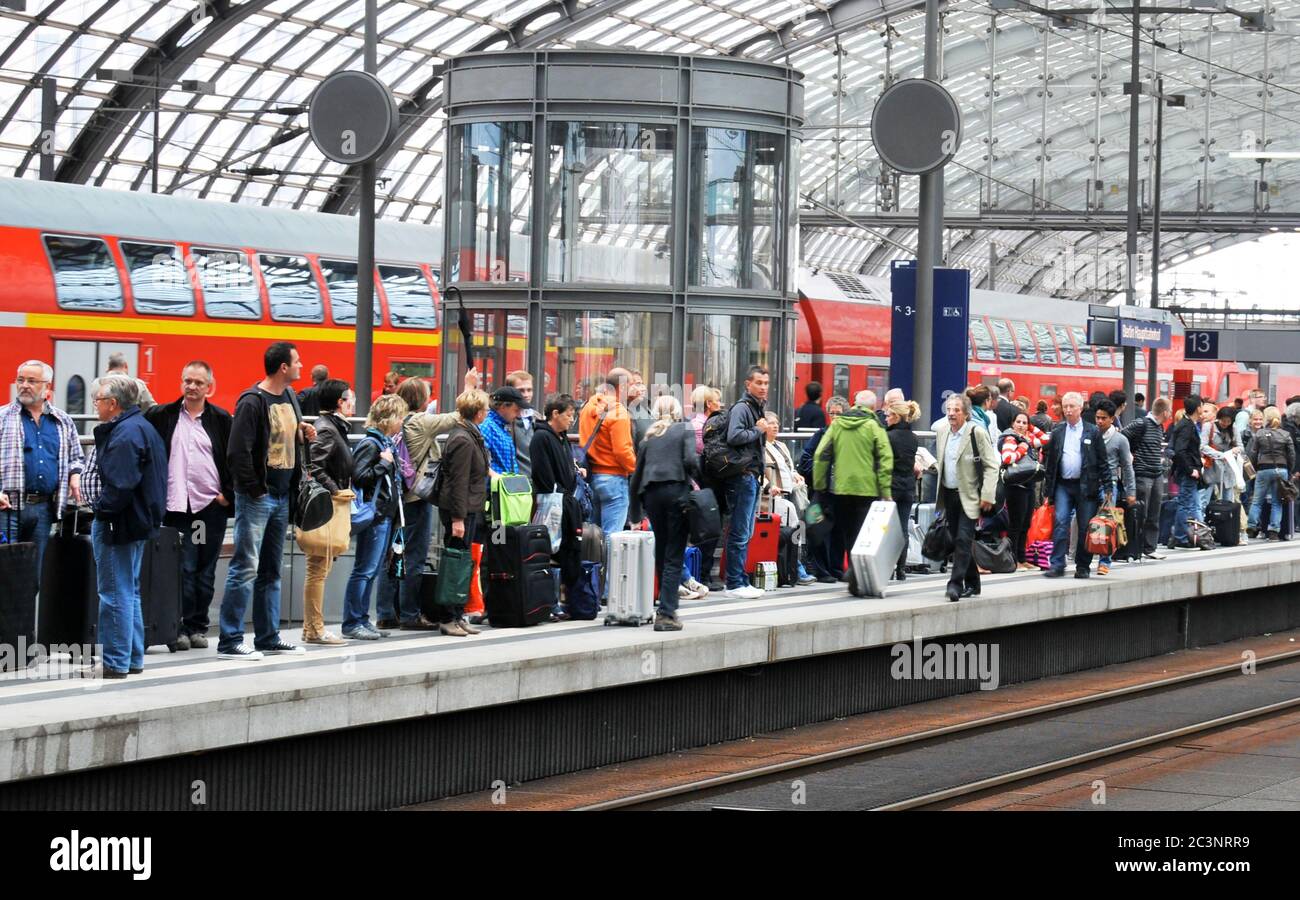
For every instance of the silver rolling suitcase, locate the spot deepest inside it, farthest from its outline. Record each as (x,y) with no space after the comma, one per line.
(924,514)
(875,552)
(631,578)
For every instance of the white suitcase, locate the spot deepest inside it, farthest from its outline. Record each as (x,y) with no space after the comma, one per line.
(875,552)
(630,574)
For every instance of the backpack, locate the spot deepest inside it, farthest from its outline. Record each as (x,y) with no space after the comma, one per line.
(511,499)
(721,460)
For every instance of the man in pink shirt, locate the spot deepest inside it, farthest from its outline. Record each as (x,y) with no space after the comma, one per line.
(199,491)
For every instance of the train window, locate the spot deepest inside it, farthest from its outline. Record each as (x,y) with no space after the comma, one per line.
(1064,344)
(1047,390)
(341,282)
(159,281)
(840,382)
(229,289)
(983,341)
(1140,357)
(1223,393)
(1046,349)
(1164,389)
(76,402)
(1085,352)
(84,274)
(1103,356)
(1006,346)
(292,288)
(410,305)
(1028,353)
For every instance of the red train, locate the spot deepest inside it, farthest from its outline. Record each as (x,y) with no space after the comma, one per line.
(85,272)
(1038,342)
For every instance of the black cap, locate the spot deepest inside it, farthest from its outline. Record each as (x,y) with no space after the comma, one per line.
(508,394)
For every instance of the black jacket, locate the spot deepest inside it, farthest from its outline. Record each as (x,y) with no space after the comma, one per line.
(903,442)
(370,471)
(331,460)
(743,433)
(464,472)
(1272,448)
(805,464)
(1147,440)
(250,437)
(1185,444)
(132,465)
(1290,428)
(1095,469)
(215,421)
(309,400)
(1042,421)
(553,468)
(810,415)
(667,458)
(1006,413)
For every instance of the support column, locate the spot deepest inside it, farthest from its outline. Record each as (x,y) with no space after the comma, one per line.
(1130,263)
(929,242)
(365,335)
(49,112)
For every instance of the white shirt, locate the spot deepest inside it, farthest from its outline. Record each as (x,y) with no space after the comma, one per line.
(950,456)
(1072,451)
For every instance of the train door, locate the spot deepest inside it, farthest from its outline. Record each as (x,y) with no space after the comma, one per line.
(78,363)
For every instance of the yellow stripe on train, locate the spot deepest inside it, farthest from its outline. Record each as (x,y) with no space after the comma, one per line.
(145,327)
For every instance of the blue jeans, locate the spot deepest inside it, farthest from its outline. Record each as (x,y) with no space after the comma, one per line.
(1266,488)
(1188,508)
(33,522)
(1069,501)
(614,498)
(372,545)
(254,573)
(401,599)
(742,496)
(117,576)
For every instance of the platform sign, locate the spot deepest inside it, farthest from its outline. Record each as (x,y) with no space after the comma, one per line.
(1201,345)
(948,353)
(1145,335)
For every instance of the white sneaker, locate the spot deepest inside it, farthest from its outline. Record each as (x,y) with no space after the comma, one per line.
(243,651)
(748,592)
(685,593)
(701,590)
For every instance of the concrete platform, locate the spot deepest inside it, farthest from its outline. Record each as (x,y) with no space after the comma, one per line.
(192,702)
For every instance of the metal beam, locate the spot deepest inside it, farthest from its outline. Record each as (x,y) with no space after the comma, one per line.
(168,61)
(840,18)
(412,112)
(1066,220)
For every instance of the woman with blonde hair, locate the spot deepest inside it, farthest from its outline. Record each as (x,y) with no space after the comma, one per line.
(377,481)
(666,462)
(1272,453)
(899,417)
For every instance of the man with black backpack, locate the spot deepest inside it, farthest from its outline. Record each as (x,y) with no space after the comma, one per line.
(733,459)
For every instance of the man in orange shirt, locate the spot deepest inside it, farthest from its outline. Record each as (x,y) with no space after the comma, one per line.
(612,457)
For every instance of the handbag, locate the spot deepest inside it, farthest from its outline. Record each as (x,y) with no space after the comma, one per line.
(1025,470)
(363,510)
(427,483)
(511,499)
(454,571)
(799,497)
(331,539)
(998,556)
(1287,490)
(938,542)
(1041,524)
(1102,537)
(313,506)
(395,559)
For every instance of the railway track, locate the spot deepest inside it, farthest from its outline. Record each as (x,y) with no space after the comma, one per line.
(689,794)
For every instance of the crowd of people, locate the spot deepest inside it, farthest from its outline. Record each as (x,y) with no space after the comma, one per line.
(636,463)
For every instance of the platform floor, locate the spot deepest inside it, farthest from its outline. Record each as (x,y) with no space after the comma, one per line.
(192,701)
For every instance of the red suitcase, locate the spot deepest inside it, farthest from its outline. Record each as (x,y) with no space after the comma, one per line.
(764,544)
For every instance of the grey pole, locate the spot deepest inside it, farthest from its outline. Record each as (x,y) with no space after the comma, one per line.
(991,284)
(1130,290)
(366,245)
(157,120)
(1152,375)
(49,111)
(928,241)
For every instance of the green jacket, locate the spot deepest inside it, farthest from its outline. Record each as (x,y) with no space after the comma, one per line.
(859,449)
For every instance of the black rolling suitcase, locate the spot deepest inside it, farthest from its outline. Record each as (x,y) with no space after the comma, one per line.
(1132,550)
(69,608)
(160,587)
(1224,516)
(1287,531)
(520,589)
(787,558)
(17,599)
